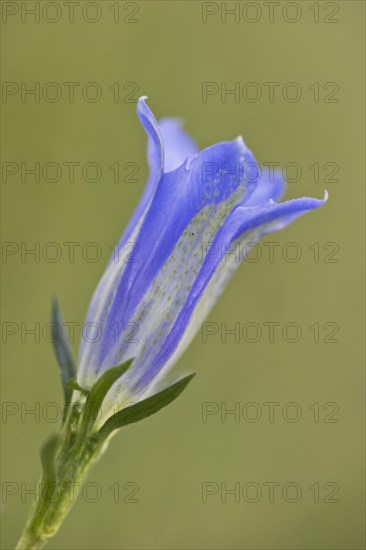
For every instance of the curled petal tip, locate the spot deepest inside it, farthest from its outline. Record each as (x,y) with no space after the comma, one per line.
(326,195)
(141,101)
(242,145)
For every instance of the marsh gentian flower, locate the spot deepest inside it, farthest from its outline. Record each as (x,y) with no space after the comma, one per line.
(171,266)
(197,207)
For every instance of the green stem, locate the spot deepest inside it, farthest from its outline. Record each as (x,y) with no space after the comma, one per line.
(66,460)
(28,541)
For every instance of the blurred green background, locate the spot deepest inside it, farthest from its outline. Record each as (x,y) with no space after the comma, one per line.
(168,53)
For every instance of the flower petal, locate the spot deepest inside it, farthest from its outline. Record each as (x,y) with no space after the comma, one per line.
(189,205)
(155,155)
(178,144)
(106,289)
(271,185)
(245,225)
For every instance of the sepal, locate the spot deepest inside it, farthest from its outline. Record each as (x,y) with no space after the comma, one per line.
(97,393)
(63,353)
(144,408)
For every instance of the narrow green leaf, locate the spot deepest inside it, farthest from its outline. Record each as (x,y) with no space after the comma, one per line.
(63,352)
(98,392)
(144,408)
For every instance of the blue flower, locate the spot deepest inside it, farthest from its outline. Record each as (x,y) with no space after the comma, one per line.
(174,260)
